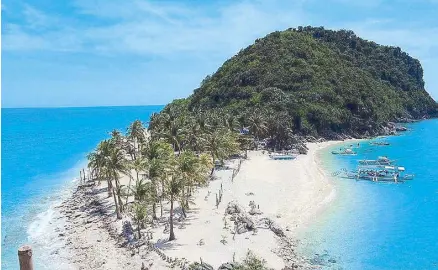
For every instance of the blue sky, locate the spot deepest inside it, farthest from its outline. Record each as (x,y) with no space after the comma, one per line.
(139,52)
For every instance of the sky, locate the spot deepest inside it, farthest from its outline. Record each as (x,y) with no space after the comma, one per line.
(140,52)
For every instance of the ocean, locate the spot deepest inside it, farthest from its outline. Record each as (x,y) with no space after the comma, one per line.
(382,225)
(42,153)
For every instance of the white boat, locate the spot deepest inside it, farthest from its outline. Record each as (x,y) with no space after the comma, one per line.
(279,156)
(345,152)
(379,161)
(378,173)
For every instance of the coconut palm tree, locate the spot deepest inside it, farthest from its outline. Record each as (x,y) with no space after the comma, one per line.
(257,125)
(192,172)
(137,134)
(138,165)
(230,122)
(117,138)
(158,153)
(116,164)
(220,144)
(193,135)
(173,186)
(98,162)
(139,211)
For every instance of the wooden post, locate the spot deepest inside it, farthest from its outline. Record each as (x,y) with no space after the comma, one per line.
(25,257)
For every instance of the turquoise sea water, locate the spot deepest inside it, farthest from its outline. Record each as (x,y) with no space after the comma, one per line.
(42,152)
(382,225)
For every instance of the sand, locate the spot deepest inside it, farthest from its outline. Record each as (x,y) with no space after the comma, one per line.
(290,193)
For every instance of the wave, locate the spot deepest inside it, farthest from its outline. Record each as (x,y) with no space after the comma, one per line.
(40,224)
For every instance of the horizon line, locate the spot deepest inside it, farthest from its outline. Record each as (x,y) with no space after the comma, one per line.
(77,107)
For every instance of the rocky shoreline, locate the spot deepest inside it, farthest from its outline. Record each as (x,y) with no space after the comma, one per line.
(90,233)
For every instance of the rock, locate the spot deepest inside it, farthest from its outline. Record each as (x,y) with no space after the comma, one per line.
(128,231)
(241,228)
(255,211)
(275,228)
(401,128)
(200,266)
(233,208)
(227,266)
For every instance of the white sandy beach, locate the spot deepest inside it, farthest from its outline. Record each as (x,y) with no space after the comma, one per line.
(289,192)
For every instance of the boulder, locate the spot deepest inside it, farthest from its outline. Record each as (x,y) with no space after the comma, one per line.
(255,211)
(200,266)
(275,228)
(233,208)
(227,266)
(401,128)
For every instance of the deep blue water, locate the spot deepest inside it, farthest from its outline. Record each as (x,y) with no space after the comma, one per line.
(42,152)
(383,225)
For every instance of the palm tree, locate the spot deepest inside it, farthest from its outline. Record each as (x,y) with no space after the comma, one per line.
(158,153)
(220,144)
(137,134)
(230,122)
(138,165)
(174,184)
(192,171)
(140,190)
(116,164)
(98,162)
(139,215)
(117,138)
(257,125)
(193,135)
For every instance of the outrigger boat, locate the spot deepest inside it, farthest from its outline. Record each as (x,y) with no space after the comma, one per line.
(379,161)
(381,169)
(379,143)
(281,156)
(380,173)
(345,152)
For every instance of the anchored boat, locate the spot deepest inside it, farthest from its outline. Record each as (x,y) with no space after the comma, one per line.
(380,173)
(345,152)
(380,143)
(379,161)
(281,156)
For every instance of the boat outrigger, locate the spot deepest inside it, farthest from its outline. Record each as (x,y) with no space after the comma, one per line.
(380,173)
(381,169)
(281,156)
(379,143)
(345,152)
(379,161)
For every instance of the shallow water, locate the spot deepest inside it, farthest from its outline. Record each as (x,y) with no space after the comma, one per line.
(382,225)
(42,153)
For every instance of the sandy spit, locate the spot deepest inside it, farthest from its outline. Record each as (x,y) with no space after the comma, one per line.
(288,193)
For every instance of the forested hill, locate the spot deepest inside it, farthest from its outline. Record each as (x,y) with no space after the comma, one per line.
(318,82)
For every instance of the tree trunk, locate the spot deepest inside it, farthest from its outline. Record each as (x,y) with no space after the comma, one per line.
(154,210)
(214,165)
(138,230)
(129,188)
(172,234)
(110,187)
(161,197)
(119,215)
(161,206)
(183,211)
(118,194)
